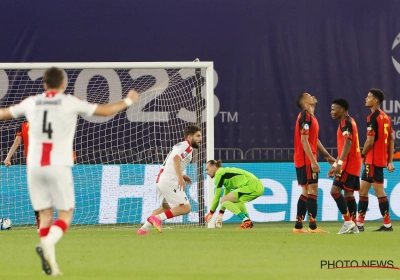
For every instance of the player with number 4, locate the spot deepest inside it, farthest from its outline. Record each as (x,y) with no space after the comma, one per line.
(52,116)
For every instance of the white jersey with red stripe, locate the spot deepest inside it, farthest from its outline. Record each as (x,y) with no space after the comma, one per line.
(52,119)
(167,173)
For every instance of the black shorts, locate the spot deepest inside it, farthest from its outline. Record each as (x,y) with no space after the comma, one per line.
(372,174)
(306,176)
(347,181)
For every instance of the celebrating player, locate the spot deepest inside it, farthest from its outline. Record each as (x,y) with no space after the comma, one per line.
(306,144)
(348,166)
(22,136)
(240,187)
(171,182)
(377,154)
(52,116)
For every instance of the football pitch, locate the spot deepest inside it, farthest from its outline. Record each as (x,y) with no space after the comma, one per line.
(268,251)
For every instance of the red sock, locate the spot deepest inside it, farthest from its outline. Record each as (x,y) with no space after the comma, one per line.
(347,216)
(61,224)
(43,232)
(386,218)
(169,214)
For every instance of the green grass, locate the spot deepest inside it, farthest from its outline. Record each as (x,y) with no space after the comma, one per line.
(268,251)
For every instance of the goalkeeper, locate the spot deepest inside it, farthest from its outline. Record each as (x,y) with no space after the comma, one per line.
(240,187)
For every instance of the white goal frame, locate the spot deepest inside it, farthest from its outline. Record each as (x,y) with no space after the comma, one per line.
(207,65)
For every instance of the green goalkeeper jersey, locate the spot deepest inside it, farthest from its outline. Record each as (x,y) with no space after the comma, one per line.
(231,179)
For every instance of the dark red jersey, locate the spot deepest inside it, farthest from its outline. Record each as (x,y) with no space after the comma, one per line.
(306,124)
(379,126)
(347,129)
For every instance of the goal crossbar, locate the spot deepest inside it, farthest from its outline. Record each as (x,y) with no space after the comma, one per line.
(209,100)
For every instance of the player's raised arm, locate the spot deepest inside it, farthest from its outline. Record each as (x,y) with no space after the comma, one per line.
(5,114)
(113,108)
(14,147)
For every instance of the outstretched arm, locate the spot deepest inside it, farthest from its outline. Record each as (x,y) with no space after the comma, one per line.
(5,114)
(113,108)
(14,147)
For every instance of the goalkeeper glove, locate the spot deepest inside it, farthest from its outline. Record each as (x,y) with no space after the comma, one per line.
(209,216)
(218,220)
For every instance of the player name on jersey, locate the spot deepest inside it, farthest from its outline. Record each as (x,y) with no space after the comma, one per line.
(48,102)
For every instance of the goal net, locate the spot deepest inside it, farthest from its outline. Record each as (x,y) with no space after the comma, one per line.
(117,157)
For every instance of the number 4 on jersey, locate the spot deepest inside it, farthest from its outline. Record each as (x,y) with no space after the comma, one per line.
(46,126)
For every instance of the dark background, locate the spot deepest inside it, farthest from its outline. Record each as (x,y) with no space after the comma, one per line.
(265,53)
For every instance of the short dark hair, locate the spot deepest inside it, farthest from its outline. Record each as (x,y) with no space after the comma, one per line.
(191,129)
(299,100)
(342,103)
(217,163)
(53,77)
(377,93)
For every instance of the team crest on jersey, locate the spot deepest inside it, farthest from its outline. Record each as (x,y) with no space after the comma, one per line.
(314,175)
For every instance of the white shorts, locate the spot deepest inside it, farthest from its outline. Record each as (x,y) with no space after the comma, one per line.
(51,186)
(171,194)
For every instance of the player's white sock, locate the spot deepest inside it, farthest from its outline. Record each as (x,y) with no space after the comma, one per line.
(388,225)
(146,226)
(161,216)
(51,250)
(54,235)
(43,232)
(56,232)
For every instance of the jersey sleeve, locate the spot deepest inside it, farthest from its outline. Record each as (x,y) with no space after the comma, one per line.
(372,124)
(305,123)
(83,107)
(20,109)
(347,129)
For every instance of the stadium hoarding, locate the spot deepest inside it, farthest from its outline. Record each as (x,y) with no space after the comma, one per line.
(125,194)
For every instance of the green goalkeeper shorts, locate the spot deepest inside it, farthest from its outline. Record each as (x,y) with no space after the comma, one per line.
(249,192)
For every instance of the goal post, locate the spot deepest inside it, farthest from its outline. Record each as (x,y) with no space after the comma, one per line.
(117,157)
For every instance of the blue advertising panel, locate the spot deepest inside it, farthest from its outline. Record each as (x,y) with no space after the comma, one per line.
(110,194)
(265,53)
